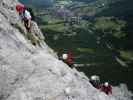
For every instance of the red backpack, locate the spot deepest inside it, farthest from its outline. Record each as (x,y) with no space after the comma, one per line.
(107,90)
(69,58)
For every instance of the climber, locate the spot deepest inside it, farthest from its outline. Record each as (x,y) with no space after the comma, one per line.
(95,81)
(20,9)
(67,58)
(106,88)
(27,19)
(31,12)
(25,15)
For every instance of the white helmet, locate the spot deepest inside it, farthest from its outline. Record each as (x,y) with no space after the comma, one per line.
(106,84)
(67,90)
(95,77)
(64,56)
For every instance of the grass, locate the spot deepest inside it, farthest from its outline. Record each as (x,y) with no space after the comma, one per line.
(127,55)
(54,27)
(19,27)
(34,40)
(55,21)
(87,50)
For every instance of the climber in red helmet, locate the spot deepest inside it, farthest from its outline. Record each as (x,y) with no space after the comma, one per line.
(25,15)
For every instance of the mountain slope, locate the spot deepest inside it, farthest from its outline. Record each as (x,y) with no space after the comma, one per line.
(30,72)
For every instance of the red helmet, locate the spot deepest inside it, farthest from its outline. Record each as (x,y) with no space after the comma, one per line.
(19,7)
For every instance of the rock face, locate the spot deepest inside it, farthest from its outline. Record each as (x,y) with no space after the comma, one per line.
(35,73)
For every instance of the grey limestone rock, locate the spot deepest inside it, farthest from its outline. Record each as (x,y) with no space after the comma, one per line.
(34,73)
